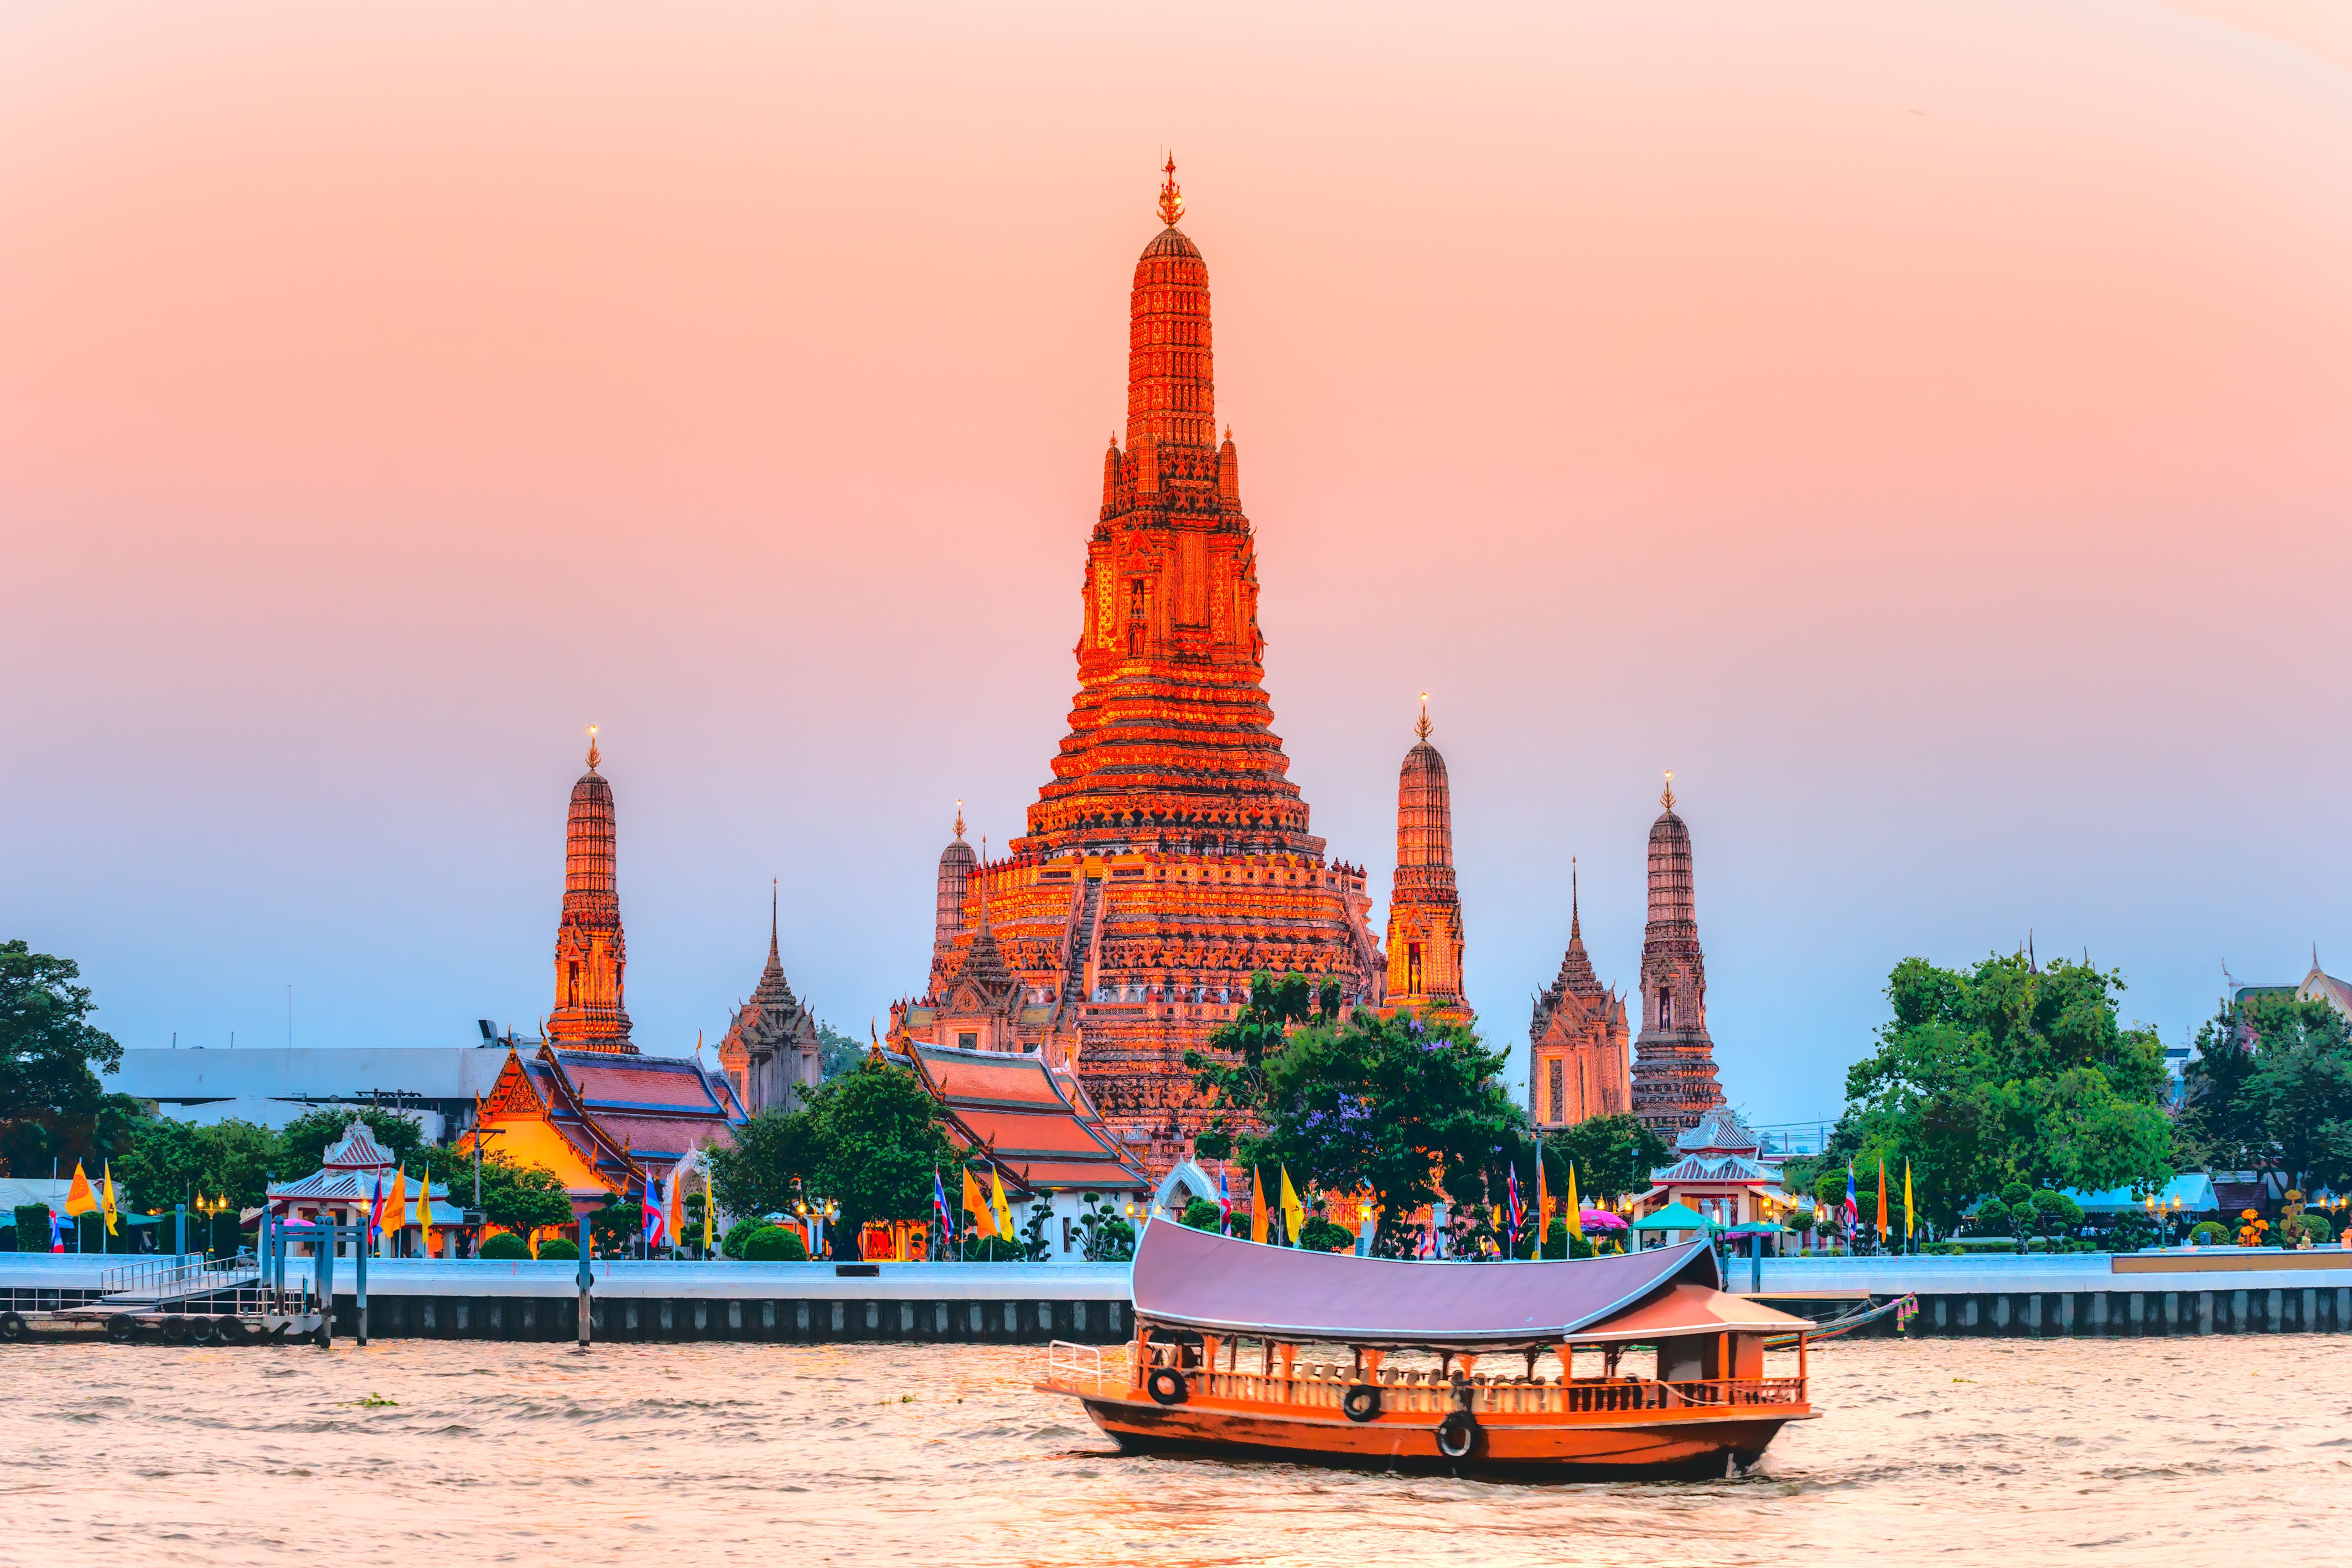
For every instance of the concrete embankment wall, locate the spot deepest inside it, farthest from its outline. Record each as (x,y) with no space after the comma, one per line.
(2221,1290)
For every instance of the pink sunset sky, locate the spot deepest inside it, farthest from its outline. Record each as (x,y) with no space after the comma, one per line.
(1925,427)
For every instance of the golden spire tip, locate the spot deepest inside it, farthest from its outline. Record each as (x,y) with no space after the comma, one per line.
(958,821)
(1422,729)
(1667,800)
(593,757)
(1171,198)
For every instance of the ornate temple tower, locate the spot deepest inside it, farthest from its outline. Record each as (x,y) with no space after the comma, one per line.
(590,954)
(1674,1059)
(772,1052)
(956,862)
(1575,1040)
(1424,945)
(1168,856)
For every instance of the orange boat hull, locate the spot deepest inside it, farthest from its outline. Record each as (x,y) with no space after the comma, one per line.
(1697,1444)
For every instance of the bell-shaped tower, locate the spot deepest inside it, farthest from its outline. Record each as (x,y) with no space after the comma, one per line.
(590,952)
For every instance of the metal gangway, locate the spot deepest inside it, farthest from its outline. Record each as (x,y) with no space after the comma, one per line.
(156,1282)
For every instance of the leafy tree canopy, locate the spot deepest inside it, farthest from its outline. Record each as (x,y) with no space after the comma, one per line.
(51,1104)
(868,1140)
(1613,1155)
(2006,1072)
(2270,1087)
(1412,1109)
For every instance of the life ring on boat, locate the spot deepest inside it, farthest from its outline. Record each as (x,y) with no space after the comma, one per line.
(1166,1386)
(1360,1403)
(1457,1435)
(122,1328)
(12,1326)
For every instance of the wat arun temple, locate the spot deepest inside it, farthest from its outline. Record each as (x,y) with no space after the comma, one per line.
(1169,856)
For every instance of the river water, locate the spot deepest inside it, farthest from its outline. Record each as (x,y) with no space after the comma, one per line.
(2234,1450)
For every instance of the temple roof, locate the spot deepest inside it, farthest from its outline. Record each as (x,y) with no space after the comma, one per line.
(1170,241)
(1010,1107)
(1720,1131)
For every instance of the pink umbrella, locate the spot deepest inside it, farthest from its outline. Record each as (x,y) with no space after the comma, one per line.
(1600,1220)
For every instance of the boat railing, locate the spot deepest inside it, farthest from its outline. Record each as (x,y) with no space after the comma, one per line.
(1069,1365)
(1314,1386)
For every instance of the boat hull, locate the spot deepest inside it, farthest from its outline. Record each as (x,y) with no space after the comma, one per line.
(1686,1446)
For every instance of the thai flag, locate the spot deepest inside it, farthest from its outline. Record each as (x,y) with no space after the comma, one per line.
(657,1213)
(1518,1214)
(938,1204)
(375,1213)
(1850,1213)
(1224,1203)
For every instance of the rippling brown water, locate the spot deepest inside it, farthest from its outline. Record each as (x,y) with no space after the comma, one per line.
(1964,1451)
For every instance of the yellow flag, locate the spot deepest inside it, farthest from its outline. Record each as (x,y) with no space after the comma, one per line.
(396,1204)
(708,1205)
(1575,1210)
(974,1204)
(1257,1207)
(425,1212)
(1294,1213)
(1907,1198)
(110,1209)
(79,1200)
(996,1198)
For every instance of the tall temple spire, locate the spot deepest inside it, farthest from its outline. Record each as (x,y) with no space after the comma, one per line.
(1673,1057)
(1424,945)
(956,865)
(1170,380)
(1575,1037)
(591,954)
(1575,914)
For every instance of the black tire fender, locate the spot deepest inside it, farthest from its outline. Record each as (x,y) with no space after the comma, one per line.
(204,1330)
(234,1331)
(122,1328)
(1457,1435)
(1167,1386)
(12,1326)
(175,1329)
(1361,1403)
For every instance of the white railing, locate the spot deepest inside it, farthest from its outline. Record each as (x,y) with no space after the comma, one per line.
(163,1278)
(1070,1364)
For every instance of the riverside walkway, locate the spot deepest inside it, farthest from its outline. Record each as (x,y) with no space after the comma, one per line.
(2205,1291)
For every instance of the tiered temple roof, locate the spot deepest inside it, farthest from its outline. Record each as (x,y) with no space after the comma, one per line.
(600,1119)
(772,1050)
(1576,1038)
(1036,1122)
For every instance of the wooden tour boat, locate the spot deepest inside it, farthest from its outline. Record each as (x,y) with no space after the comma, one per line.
(1410,1395)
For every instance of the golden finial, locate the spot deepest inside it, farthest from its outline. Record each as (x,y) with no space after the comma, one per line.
(1422,729)
(1667,800)
(1171,199)
(959,819)
(593,757)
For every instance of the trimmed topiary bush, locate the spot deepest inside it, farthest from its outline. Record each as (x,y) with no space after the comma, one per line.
(2210,1233)
(1321,1235)
(561,1247)
(2315,1226)
(505,1244)
(774,1244)
(1202,1215)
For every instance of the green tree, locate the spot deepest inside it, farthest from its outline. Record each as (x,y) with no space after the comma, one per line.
(1612,1155)
(869,1141)
(755,1175)
(1202,1215)
(836,1054)
(173,1162)
(52,1106)
(302,1141)
(1104,1234)
(2007,1072)
(521,1197)
(2270,1087)
(1412,1109)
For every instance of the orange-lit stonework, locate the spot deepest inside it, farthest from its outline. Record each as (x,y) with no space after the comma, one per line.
(591,954)
(1424,945)
(1170,855)
(1576,1039)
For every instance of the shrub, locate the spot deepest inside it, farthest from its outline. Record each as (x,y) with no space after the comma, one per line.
(774,1244)
(560,1248)
(994,1250)
(506,1244)
(1321,1235)
(730,1245)
(1991,1217)
(1202,1215)
(2210,1233)
(2315,1226)
(32,1227)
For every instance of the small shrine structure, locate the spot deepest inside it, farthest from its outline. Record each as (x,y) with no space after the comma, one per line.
(1720,1172)
(343,1189)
